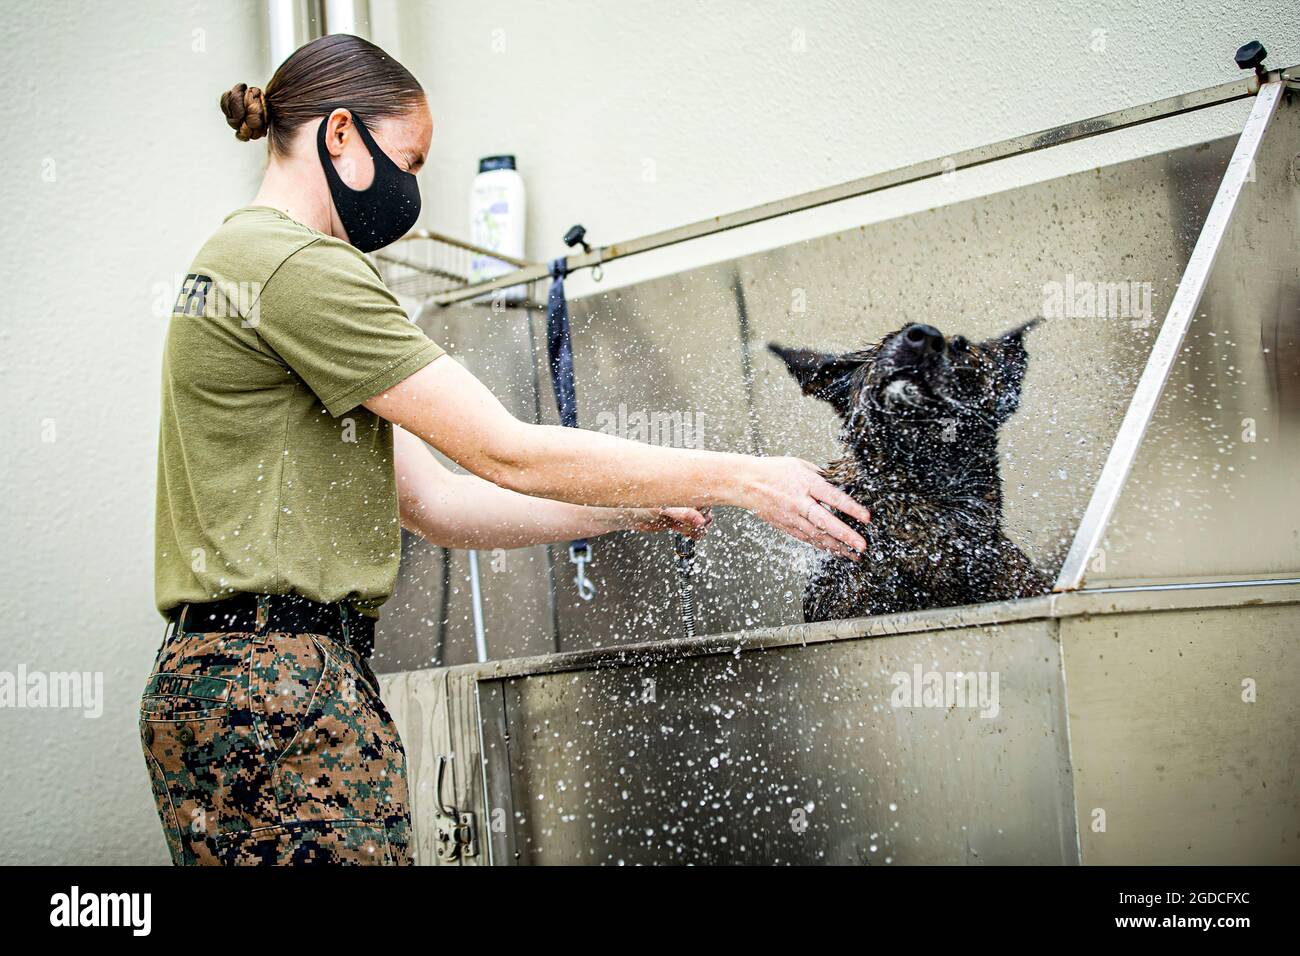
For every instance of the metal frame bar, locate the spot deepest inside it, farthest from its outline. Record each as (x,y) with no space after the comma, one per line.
(493,728)
(1146,396)
(386,255)
(967,159)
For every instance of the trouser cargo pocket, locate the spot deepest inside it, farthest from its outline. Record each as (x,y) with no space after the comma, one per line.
(183,726)
(272,748)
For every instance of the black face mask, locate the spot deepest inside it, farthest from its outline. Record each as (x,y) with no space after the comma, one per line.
(380,214)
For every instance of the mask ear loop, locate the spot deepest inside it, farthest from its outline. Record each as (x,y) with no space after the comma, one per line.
(371,146)
(327,161)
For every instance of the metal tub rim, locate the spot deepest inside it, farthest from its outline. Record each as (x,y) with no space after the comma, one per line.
(1057,606)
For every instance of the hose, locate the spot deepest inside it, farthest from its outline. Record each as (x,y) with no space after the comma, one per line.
(684,548)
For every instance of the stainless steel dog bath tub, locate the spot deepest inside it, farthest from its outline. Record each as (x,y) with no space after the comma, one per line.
(1146,713)
(1149,725)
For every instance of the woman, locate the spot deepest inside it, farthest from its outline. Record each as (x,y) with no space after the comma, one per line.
(296,396)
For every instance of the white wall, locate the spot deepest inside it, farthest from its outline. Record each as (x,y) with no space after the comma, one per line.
(633,117)
(116,100)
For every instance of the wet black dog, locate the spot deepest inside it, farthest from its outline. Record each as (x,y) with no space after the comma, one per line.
(920,418)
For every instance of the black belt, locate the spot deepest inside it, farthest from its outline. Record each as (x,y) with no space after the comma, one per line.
(264,613)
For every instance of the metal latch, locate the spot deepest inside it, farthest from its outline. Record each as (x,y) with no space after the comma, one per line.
(457,836)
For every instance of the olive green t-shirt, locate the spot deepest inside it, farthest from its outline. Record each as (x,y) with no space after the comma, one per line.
(272,478)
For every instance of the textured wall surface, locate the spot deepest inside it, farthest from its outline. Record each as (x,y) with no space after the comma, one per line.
(118,166)
(626,117)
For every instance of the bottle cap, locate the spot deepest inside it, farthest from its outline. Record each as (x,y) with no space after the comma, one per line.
(489,163)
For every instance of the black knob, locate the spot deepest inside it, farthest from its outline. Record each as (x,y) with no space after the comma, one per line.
(577,235)
(1251,56)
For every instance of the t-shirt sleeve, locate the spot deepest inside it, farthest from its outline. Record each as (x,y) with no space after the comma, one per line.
(327,314)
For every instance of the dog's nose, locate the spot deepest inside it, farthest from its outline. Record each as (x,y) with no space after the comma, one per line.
(923,338)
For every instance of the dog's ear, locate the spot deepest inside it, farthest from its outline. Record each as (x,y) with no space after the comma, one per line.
(1011,361)
(823,375)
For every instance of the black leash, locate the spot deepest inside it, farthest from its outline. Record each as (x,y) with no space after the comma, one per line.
(559,352)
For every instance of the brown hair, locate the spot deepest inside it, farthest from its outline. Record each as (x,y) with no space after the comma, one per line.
(339,70)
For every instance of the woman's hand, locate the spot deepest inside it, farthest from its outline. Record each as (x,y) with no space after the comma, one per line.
(790,494)
(687,521)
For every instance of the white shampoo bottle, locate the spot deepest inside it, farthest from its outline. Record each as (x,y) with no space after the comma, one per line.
(496,210)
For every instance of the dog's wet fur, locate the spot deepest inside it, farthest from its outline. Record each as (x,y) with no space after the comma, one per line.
(920,415)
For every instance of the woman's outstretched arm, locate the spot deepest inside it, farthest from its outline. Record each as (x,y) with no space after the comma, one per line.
(464,511)
(451,410)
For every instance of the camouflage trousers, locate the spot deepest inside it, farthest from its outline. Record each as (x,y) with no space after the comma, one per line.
(273,748)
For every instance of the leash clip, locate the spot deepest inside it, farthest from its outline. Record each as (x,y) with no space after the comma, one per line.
(580,555)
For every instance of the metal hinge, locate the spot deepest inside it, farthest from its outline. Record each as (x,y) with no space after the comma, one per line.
(457,836)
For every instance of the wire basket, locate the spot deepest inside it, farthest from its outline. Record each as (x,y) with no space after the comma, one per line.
(423,264)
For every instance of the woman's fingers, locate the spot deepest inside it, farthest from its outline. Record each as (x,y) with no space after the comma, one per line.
(808,532)
(833,527)
(792,499)
(824,491)
(687,521)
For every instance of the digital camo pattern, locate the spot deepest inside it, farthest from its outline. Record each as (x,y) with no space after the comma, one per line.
(273,749)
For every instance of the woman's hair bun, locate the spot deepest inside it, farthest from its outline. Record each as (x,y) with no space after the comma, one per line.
(245,109)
